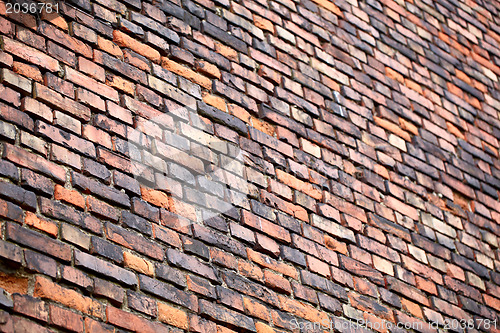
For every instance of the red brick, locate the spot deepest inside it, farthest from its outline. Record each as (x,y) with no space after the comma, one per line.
(48,226)
(91,84)
(277,266)
(61,102)
(70,196)
(60,37)
(30,54)
(45,288)
(66,319)
(186,72)
(172,316)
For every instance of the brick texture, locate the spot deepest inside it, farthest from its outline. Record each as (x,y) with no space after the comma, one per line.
(217,166)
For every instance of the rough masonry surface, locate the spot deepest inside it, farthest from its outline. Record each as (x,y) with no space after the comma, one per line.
(218,166)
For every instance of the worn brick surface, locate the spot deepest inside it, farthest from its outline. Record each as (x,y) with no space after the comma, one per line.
(218,166)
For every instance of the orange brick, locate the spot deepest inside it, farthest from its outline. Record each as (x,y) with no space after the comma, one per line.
(478,85)
(302,310)
(263,328)
(155,197)
(412,308)
(189,74)
(226,51)
(45,288)
(13,284)
(109,46)
(392,128)
(207,69)
(330,83)
(277,282)
(250,270)
(473,101)
(239,112)
(381,171)
(408,126)
(444,37)
(462,76)
(49,227)
(267,262)
(299,185)
(455,131)
(124,40)
(172,316)
(214,101)
(70,196)
(262,23)
(413,85)
(392,74)
(182,208)
(335,245)
(138,264)
(120,84)
(256,309)
(262,126)
(492,302)
(56,20)
(486,63)
(27,70)
(330,6)
(374,323)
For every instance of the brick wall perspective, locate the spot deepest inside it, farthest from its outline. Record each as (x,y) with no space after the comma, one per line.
(218,166)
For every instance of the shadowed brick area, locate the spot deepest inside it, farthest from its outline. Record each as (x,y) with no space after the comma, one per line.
(218,166)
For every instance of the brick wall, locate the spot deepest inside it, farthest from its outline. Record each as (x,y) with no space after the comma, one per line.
(248,165)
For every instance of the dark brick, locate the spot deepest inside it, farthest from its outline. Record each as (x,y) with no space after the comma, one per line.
(134,241)
(171,275)
(222,117)
(77,277)
(145,210)
(68,214)
(358,268)
(5,300)
(201,286)
(31,306)
(105,268)
(137,223)
(221,314)
(38,242)
(10,252)
(39,263)
(106,249)
(168,292)
(8,170)
(323,284)
(218,239)
(111,291)
(187,262)
(142,303)
(37,182)
(88,185)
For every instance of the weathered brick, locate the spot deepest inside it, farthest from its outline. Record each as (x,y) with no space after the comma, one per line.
(30,54)
(45,288)
(168,292)
(103,267)
(30,306)
(66,319)
(184,261)
(35,162)
(221,314)
(36,241)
